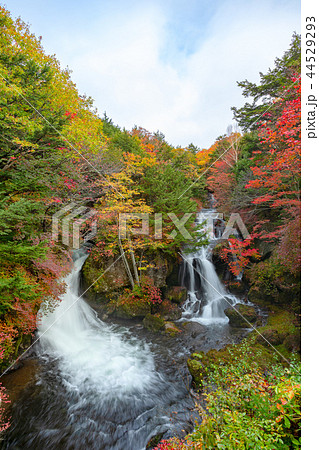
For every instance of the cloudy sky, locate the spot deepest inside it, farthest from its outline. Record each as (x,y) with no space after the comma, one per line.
(168,65)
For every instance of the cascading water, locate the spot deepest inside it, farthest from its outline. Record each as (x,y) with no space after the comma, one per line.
(104,386)
(207,296)
(90,351)
(98,386)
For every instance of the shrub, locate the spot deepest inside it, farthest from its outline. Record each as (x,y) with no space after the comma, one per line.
(247,407)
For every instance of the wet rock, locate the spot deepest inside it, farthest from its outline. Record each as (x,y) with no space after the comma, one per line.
(154,322)
(171,329)
(194,329)
(196,369)
(169,311)
(15,381)
(177,294)
(241,316)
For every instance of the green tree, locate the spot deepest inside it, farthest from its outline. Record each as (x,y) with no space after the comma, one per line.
(271,86)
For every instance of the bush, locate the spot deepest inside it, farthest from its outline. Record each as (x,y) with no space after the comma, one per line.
(137,302)
(248,407)
(271,283)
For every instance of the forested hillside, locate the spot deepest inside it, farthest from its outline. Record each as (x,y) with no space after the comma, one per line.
(56,150)
(257,174)
(252,401)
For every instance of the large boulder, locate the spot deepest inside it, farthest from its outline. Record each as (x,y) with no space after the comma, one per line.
(171,329)
(159,267)
(104,277)
(169,311)
(269,336)
(241,316)
(123,309)
(109,276)
(105,283)
(177,294)
(154,322)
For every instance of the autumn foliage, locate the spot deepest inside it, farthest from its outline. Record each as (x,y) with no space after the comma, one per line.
(45,127)
(276,176)
(55,150)
(258,174)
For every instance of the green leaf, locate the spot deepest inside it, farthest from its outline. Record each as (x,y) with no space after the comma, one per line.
(287,422)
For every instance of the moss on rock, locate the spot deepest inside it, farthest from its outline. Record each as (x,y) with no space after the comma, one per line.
(171,329)
(104,278)
(284,321)
(128,310)
(154,322)
(197,371)
(241,316)
(269,336)
(201,363)
(169,311)
(177,294)
(282,331)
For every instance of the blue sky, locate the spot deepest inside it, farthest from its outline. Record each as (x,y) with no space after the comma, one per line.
(164,65)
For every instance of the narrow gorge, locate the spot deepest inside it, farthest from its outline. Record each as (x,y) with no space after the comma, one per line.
(112,384)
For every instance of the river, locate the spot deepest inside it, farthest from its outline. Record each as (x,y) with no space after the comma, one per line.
(114,385)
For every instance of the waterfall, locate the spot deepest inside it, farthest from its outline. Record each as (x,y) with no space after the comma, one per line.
(91,353)
(207,296)
(108,386)
(99,378)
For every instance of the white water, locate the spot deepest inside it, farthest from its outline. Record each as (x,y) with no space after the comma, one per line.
(207,296)
(99,387)
(105,378)
(91,353)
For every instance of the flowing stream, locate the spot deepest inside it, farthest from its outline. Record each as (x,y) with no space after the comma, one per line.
(99,388)
(107,385)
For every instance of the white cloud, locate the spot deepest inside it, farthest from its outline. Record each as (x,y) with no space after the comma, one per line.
(127,60)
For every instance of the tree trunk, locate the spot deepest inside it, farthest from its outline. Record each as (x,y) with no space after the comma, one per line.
(127,267)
